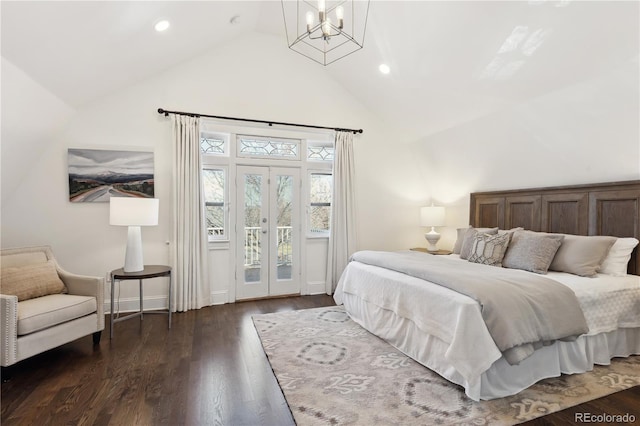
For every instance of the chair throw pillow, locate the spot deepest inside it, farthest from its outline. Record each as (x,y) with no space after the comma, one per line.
(489,249)
(531,251)
(31,281)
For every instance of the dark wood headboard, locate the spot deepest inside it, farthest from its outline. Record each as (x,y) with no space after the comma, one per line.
(596,209)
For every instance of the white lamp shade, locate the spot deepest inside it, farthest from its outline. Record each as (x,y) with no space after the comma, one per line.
(132,211)
(432,216)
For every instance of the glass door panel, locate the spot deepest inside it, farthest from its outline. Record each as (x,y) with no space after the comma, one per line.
(284,196)
(285,211)
(252,273)
(268,231)
(252,230)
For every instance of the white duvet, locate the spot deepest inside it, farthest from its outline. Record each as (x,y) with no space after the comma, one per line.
(407,303)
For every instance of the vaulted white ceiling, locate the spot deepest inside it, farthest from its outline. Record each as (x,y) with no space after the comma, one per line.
(452,61)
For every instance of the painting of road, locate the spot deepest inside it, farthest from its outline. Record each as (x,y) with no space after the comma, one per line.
(96,175)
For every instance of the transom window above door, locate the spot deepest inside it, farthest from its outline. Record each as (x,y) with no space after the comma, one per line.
(214,143)
(268,147)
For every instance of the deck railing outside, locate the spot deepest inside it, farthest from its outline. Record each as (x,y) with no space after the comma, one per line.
(252,249)
(252,245)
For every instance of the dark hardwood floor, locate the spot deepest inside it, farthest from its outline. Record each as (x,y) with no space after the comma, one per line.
(209,369)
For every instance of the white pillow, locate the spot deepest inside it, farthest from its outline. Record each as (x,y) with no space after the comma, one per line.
(616,261)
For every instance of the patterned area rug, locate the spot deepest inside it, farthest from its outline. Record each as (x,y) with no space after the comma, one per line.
(332,371)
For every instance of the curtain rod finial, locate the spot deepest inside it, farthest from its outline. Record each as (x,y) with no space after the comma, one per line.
(162,111)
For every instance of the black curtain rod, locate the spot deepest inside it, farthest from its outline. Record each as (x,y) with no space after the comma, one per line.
(270,123)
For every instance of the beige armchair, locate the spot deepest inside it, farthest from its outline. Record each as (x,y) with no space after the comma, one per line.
(39,315)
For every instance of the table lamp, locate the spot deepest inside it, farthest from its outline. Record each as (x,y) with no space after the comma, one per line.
(432,216)
(134,213)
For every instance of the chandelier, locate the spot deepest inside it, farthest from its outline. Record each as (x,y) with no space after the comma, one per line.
(325,30)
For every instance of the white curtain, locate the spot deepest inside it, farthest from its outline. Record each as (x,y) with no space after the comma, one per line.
(189,251)
(342,239)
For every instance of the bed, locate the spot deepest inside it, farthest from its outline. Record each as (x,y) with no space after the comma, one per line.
(447,331)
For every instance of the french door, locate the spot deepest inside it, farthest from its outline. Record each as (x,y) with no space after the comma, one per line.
(267,231)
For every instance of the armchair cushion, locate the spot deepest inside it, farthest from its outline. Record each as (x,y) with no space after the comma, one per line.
(31,280)
(48,311)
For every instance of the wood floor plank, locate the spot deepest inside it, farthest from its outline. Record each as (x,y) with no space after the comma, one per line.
(208,369)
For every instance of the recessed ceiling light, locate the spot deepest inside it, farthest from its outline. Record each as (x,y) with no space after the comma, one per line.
(162,25)
(384,69)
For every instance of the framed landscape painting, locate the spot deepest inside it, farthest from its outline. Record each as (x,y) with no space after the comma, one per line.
(96,175)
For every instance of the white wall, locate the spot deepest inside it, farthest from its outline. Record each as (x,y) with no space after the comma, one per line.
(30,116)
(256,77)
(586,132)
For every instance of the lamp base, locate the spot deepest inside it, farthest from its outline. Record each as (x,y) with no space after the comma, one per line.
(432,238)
(133,256)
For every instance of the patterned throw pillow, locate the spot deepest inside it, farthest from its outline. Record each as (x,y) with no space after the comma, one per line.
(489,249)
(467,242)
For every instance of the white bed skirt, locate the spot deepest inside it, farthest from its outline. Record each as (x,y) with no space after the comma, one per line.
(501,379)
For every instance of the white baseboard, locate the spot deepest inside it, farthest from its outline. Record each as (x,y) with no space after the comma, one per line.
(316,287)
(132,304)
(219,297)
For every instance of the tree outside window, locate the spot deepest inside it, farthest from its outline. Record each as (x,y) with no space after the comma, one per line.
(320,191)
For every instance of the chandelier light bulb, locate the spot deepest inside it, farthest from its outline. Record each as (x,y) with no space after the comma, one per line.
(326,28)
(321,6)
(340,16)
(309,21)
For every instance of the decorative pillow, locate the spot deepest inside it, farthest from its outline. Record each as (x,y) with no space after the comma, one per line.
(616,261)
(30,281)
(532,251)
(581,255)
(489,249)
(23,259)
(458,245)
(467,241)
(510,231)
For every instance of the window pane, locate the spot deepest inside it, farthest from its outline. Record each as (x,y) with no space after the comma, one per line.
(320,216)
(320,153)
(213,181)
(211,145)
(215,221)
(267,147)
(321,186)
(213,185)
(252,230)
(284,201)
(320,200)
